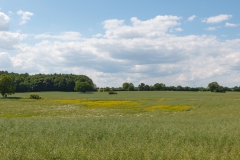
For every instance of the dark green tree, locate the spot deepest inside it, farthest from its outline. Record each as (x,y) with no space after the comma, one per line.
(107,89)
(130,87)
(125,85)
(82,86)
(147,88)
(141,87)
(236,88)
(6,85)
(159,86)
(213,86)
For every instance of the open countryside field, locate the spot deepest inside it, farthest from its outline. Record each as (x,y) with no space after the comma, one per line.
(129,125)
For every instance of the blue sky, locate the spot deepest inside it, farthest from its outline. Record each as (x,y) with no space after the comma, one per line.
(188,43)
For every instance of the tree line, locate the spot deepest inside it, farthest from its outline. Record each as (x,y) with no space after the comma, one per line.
(14,82)
(213,87)
(49,82)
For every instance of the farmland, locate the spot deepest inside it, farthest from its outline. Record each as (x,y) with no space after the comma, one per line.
(129,125)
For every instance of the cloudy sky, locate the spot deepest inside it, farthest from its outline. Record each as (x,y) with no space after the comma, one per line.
(188,43)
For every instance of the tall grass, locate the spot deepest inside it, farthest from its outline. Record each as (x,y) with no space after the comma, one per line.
(62,127)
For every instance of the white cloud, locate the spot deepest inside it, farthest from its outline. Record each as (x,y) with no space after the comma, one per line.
(66,36)
(4,21)
(25,16)
(10,40)
(143,51)
(98,35)
(150,28)
(178,29)
(211,28)
(217,19)
(231,25)
(192,18)
(5,61)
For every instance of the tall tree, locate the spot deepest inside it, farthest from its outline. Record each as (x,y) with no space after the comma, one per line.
(130,87)
(147,88)
(82,86)
(125,85)
(159,86)
(6,85)
(213,86)
(141,87)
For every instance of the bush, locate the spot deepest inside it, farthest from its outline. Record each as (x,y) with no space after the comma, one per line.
(99,90)
(112,92)
(35,96)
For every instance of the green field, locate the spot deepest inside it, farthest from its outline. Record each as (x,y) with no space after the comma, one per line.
(129,125)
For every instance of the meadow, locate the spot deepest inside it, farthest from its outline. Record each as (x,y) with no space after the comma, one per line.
(128,125)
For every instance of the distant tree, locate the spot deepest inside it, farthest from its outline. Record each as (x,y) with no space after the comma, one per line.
(147,88)
(152,88)
(159,86)
(179,88)
(220,89)
(202,89)
(171,88)
(46,82)
(24,87)
(227,89)
(107,89)
(125,85)
(236,88)
(6,85)
(141,87)
(213,86)
(82,87)
(130,87)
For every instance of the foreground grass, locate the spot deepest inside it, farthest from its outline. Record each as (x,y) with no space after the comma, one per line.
(135,126)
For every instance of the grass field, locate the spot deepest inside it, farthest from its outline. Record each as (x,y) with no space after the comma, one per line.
(129,125)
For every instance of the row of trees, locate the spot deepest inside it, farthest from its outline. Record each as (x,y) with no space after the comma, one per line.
(213,87)
(156,87)
(10,82)
(49,82)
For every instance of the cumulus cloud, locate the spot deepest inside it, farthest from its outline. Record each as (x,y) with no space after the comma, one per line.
(192,18)
(25,16)
(217,19)
(5,61)
(178,29)
(66,36)
(231,25)
(4,21)
(150,28)
(211,28)
(143,50)
(10,40)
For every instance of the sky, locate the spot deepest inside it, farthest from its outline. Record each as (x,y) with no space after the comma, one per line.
(187,43)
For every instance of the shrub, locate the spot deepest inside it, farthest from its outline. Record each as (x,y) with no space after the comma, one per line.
(35,96)
(100,90)
(112,92)
(107,89)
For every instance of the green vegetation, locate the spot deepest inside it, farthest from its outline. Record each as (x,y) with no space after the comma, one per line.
(215,87)
(6,86)
(82,86)
(35,96)
(128,86)
(47,82)
(112,92)
(129,125)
